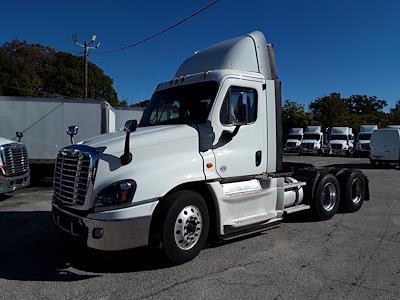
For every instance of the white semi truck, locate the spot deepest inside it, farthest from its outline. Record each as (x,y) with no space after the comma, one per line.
(294,140)
(14,165)
(205,161)
(362,147)
(313,140)
(341,141)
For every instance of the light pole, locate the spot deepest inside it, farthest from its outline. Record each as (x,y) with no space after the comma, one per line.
(86,46)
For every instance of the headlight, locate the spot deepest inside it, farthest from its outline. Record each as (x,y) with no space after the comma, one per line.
(117,195)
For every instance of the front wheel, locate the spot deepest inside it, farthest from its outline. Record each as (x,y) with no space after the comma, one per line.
(184,226)
(326,198)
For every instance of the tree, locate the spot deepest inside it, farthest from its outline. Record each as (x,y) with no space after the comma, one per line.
(36,70)
(394,115)
(330,110)
(294,115)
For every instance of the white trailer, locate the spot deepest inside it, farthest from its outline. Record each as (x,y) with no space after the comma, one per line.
(341,141)
(385,146)
(206,160)
(123,114)
(294,140)
(362,147)
(313,140)
(43,122)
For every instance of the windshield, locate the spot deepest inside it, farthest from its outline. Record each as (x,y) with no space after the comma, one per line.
(311,136)
(295,137)
(342,137)
(364,136)
(188,104)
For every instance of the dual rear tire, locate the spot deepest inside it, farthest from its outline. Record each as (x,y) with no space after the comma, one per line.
(329,195)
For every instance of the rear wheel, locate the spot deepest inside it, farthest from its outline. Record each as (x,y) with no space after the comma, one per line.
(353,192)
(327,197)
(184,225)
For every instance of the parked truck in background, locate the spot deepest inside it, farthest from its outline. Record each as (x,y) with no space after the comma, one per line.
(341,141)
(123,114)
(313,140)
(385,146)
(205,161)
(294,140)
(43,122)
(362,147)
(14,166)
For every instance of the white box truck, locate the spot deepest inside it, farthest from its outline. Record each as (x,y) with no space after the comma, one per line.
(206,160)
(341,141)
(14,166)
(385,146)
(294,140)
(313,140)
(362,147)
(43,122)
(123,114)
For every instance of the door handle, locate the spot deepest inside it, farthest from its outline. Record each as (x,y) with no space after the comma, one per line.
(258,158)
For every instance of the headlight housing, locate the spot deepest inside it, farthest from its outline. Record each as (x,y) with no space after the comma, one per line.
(117,195)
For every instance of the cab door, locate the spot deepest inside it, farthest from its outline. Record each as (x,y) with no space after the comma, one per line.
(239,124)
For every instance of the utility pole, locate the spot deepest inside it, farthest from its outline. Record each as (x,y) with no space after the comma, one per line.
(86,46)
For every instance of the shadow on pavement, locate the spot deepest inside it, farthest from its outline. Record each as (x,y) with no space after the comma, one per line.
(33,249)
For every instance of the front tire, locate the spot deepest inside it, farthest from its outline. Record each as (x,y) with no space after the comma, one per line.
(184,226)
(326,198)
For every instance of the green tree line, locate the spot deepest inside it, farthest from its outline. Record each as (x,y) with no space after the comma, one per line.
(39,71)
(334,110)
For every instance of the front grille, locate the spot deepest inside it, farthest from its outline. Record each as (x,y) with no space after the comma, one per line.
(15,158)
(307,145)
(336,146)
(72,177)
(365,147)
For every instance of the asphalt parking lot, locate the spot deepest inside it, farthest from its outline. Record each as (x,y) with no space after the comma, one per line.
(350,256)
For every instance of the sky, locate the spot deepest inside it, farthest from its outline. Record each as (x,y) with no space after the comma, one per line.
(346,46)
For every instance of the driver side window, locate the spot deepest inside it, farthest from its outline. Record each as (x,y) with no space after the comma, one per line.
(239,106)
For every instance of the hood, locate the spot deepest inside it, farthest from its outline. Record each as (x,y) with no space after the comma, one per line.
(4,141)
(340,142)
(309,141)
(143,137)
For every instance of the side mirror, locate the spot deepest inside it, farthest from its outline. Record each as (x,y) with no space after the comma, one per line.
(71,131)
(130,126)
(19,135)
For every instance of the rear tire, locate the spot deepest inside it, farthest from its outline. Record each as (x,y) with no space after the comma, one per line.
(326,198)
(183,227)
(353,192)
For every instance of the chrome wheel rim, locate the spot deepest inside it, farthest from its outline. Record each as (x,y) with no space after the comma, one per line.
(329,196)
(356,190)
(188,227)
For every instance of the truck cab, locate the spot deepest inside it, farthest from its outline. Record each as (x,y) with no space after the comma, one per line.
(313,140)
(294,140)
(14,166)
(341,141)
(204,161)
(362,143)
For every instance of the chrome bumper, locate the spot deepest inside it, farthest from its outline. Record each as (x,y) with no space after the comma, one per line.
(10,184)
(116,234)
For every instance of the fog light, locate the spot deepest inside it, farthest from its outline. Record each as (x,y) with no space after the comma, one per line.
(98,233)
